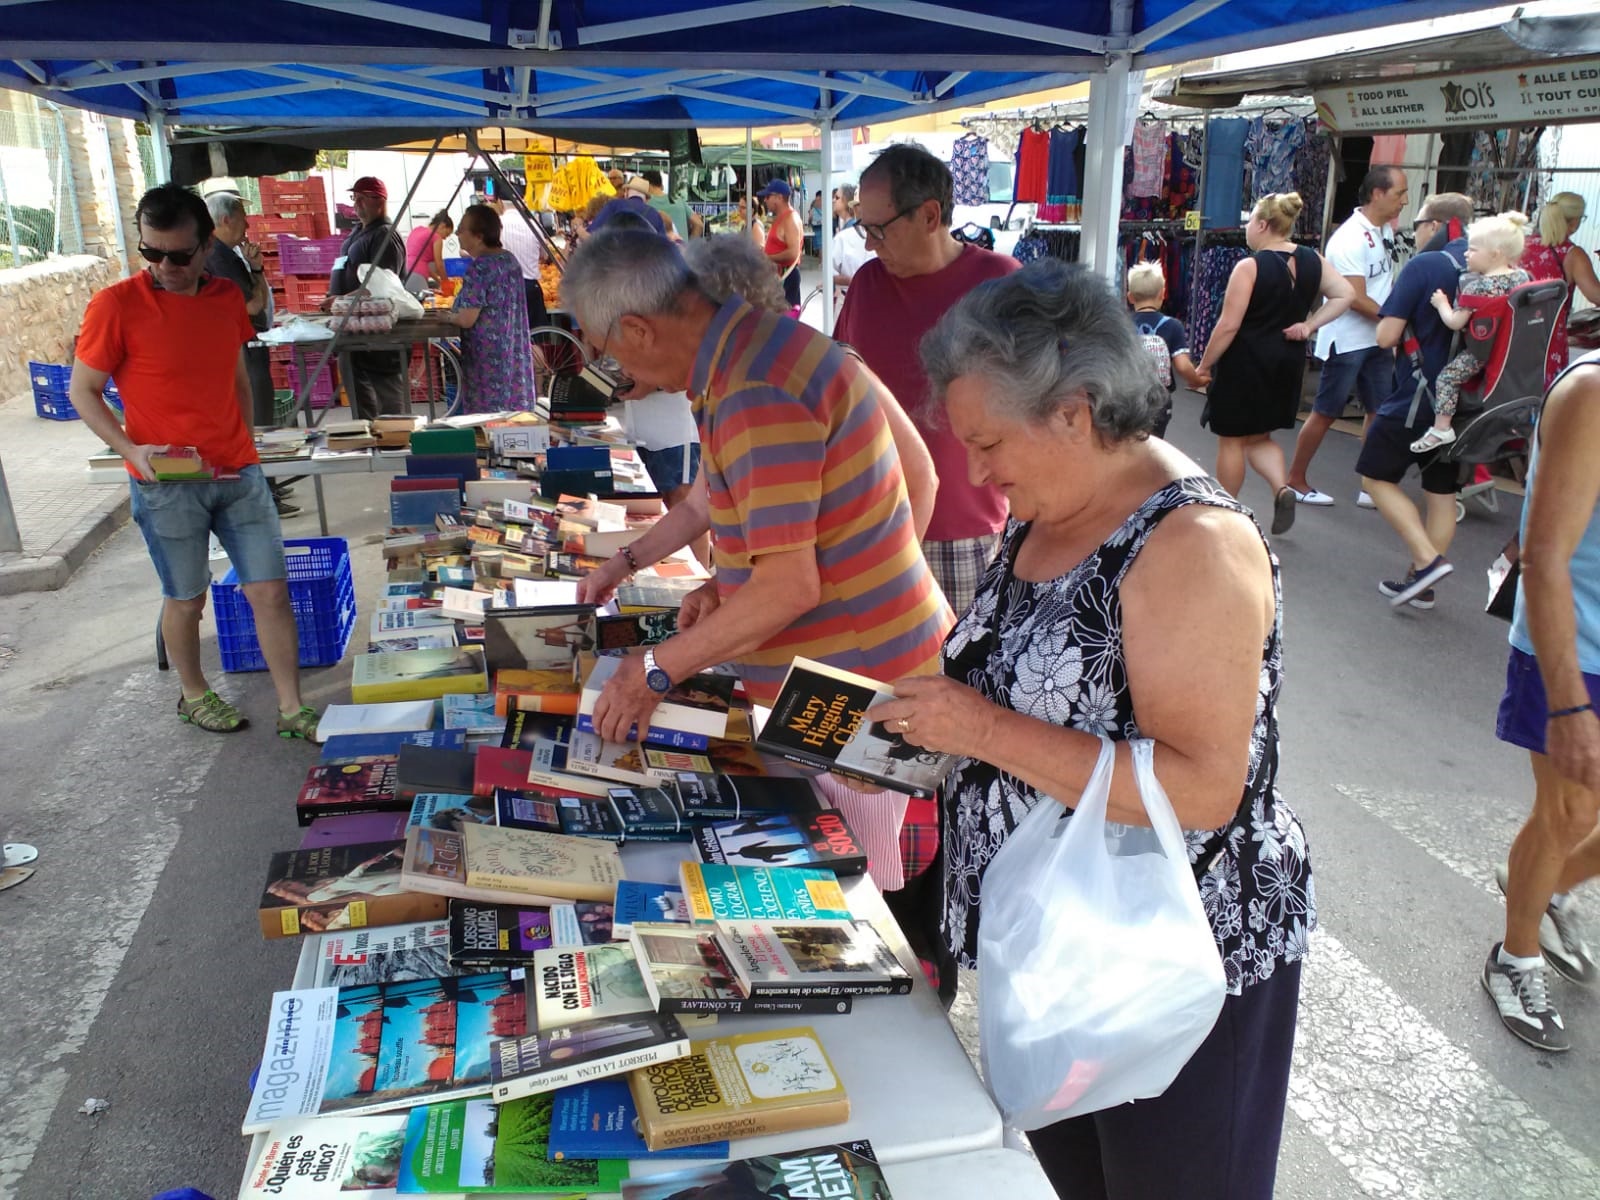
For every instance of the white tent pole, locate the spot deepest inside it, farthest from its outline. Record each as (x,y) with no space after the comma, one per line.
(749,183)
(1102,183)
(158,144)
(825,237)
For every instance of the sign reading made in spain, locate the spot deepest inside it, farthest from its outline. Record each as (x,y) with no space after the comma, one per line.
(1553,93)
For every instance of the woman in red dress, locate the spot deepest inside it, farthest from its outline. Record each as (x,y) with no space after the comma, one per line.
(1552,255)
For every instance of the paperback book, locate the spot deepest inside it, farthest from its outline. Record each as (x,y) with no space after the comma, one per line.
(328,1158)
(690,714)
(431,769)
(368,1049)
(350,829)
(392,954)
(552,690)
(737,1086)
(581,983)
(387,745)
(418,674)
(473,715)
(401,717)
(725,797)
(715,892)
(527,810)
(654,902)
(548,737)
(340,887)
(349,786)
(687,969)
(597,1119)
(552,1058)
(819,839)
(485,862)
(812,958)
(495,937)
(848,1171)
(620,762)
(477,1147)
(538,639)
(819,720)
(449,810)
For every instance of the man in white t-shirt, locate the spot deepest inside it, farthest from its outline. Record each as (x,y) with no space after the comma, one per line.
(517,237)
(1362,250)
(850,242)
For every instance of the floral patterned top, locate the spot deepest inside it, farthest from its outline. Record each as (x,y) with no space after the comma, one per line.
(1053,650)
(1550,262)
(496,355)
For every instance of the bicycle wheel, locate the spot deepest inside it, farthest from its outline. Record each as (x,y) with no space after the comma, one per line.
(439,358)
(555,352)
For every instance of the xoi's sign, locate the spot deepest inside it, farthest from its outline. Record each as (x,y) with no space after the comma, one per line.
(1550,94)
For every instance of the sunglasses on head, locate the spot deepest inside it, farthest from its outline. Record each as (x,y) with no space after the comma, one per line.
(179,258)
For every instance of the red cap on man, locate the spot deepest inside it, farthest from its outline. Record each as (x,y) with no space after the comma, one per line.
(372,186)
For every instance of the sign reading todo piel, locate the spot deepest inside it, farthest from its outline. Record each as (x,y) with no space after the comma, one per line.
(1549,94)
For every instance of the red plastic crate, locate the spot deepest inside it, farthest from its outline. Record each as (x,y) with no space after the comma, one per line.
(302,256)
(273,191)
(294,206)
(298,226)
(304,293)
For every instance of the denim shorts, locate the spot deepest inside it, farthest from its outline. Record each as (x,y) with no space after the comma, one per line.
(177,520)
(1524,711)
(672,467)
(1369,373)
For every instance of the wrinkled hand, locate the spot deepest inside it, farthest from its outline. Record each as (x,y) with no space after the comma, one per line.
(698,605)
(1298,332)
(626,702)
(1573,744)
(139,458)
(600,584)
(939,714)
(252,254)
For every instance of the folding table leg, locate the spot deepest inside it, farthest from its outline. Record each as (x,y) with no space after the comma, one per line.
(322,510)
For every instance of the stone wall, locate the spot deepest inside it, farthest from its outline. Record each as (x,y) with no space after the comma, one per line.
(41,306)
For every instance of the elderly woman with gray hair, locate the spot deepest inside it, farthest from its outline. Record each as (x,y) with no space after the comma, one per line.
(1132,597)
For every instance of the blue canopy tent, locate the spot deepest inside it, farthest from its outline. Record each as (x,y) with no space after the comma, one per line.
(455,64)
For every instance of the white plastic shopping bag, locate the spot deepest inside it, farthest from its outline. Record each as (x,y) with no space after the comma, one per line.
(380,281)
(1098,975)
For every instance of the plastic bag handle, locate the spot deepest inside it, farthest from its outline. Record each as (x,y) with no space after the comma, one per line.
(1097,792)
(1156,804)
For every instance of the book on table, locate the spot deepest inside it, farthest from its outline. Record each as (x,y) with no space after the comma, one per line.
(580,983)
(639,901)
(399,643)
(418,674)
(846,1170)
(687,969)
(597,1119)
(690,713)
(620,762)
(383,1046)
(784,839)
(400,717)
(626,631)
(726,797)
(391,954)
(433,769)
(387,745)
(349,829)
(715,892)
(477,1147)
(812,958)
(538,639)
(328,1158)
(496,936)
(819,719)
(548,737)
(560,1056)
(738,1086)
(549,690)
(472,714)
(340,887)
(449,810)
(337,787)
(485,862)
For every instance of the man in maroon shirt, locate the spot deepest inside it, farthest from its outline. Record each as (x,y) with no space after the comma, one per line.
(904,209)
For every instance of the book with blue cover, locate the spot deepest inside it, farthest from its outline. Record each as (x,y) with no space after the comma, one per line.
(596,1120)
(366,745)
(641,901)
(721,893)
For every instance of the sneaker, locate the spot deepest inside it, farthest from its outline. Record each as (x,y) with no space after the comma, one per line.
(1524,1007)
(285,509)
(1312,497)
(1393,587)
(1283,510)
(1364,501)
(1564,948)
(1416,582)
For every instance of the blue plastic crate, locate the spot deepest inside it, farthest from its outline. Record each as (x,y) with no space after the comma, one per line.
(52,391)
(322,593)
(53,406)
(456,267)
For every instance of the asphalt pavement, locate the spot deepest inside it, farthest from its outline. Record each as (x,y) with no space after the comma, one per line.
(136,972)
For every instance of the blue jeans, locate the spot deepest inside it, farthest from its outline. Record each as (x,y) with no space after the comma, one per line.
(177,520)
(1369,373)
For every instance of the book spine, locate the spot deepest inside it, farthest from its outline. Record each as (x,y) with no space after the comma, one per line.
(803,991)
(735,1006)
(560,1077)
(817,760)
(667,1134)
(283,921)
(674,739)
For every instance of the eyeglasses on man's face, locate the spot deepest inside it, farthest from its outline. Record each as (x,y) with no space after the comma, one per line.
(178,258)
(878,232)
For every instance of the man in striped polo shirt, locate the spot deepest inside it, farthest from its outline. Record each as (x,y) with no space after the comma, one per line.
(813,542)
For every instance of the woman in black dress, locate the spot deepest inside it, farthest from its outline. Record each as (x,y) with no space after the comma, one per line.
(1256,356)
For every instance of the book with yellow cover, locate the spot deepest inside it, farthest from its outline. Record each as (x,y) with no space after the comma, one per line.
(742,1085)
(501,865)
(418,674)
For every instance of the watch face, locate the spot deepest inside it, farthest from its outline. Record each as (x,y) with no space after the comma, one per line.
(658,680)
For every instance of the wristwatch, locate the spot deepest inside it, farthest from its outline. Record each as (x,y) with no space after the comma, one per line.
(655,678)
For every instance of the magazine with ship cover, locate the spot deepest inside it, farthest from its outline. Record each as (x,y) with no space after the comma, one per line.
(391,954)
(476,1147)
(328,1158)
(597,1119)
(846,1170)
(740,1085)
(716,892)
(548,1059)
(384,1046)
(537,639)
(820,839)
(818,719)
(811,958)
(687,969)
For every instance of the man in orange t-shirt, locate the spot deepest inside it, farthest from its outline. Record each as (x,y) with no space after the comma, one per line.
(174,337)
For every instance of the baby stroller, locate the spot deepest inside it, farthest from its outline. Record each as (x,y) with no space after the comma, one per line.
(1510,335)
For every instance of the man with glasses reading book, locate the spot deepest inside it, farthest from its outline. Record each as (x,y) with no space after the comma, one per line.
(174,338)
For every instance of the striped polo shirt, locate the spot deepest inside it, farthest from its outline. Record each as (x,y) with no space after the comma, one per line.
(797,454)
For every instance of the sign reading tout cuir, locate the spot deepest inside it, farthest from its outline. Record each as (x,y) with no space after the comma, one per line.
(1551,93)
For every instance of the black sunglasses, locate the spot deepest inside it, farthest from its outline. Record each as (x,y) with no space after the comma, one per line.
(180,258)
(877,232)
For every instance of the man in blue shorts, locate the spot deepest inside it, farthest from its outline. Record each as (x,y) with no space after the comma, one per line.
(174,337)
(1386,455)
(1552,687)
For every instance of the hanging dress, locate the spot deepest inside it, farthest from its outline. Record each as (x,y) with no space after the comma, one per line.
(1543,262)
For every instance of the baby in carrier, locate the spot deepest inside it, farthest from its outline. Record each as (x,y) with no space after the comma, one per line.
(1494,244)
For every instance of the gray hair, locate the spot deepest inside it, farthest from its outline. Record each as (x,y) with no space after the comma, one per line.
(1045,335)
(224,206)
(729,264)
(847,193)
(914,176)
(622,271)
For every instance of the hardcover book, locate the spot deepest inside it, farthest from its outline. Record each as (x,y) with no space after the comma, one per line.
(812,958)
(496,936)
(722,893)
(724,797)
(328,1158)
(818,719)
(485,862)
(418,674)
(349,786)
(339,887)
(392,954)
(579,983)
(390,1045)
(687,969)
(743,1085)
(554,1058)
(648,814)
(597,1119)
(589,816)
(476,1147)
(781,839)
(538,639)
(848,1170)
